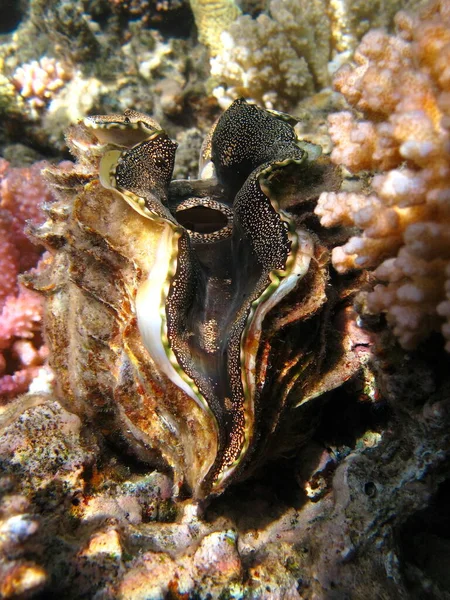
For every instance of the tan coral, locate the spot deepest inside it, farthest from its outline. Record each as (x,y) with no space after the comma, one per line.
(283,56)
(275,59)
(401,85)
(38,81)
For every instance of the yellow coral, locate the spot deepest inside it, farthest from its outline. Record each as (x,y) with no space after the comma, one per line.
(10,101)
(212,17)
(402,86)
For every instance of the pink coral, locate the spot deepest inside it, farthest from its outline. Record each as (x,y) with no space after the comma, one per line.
(401,84)
(22,190)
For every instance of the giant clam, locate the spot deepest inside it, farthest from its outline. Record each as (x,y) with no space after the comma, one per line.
(180,313)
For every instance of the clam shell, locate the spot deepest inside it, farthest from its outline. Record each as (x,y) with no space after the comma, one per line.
(173,308)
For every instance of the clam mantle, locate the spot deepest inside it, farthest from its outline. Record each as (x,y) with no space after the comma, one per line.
(176,310)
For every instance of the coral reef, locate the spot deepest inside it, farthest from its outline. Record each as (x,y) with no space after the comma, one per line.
(351,19)
(273,60)
(90,56)
(186,162)
(116,54)
(337,486)
(10,102)
(151,13)
(401,84)
(22,190)
(281,57)
(49,95)
(76,521)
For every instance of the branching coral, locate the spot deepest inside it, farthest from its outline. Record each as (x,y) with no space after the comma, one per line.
(279,58)
(274,60)
(38,81)
(22,190)
(402,86)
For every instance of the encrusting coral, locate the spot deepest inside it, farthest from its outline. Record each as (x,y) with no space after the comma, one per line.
(402,86)
(22,352)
